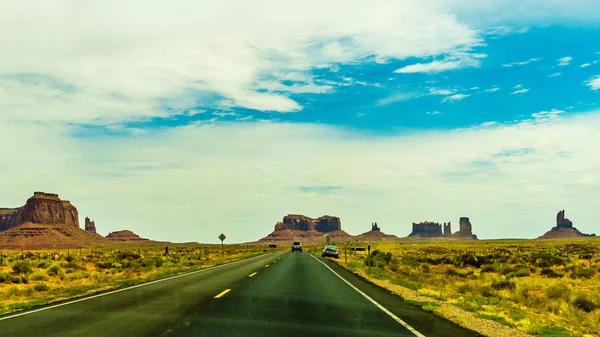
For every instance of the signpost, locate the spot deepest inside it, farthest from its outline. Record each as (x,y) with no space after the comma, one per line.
(345,253)
(222,237)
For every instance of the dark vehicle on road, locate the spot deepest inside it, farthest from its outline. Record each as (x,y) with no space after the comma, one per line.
(296,246)
(330,251)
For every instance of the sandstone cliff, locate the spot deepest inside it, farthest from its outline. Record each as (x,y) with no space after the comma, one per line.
(90,226)
(300,227)
(49,236)
(41,208)
(426,229)
(466,230)
(564,229)
(375,234)
(125,235)
(429,229)
(324,224)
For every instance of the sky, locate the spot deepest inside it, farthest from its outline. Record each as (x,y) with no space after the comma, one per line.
(181,120)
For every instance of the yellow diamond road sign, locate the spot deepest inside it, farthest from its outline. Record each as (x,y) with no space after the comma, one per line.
(222,237)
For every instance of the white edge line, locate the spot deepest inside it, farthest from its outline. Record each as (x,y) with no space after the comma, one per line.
(127,288)
(389,313)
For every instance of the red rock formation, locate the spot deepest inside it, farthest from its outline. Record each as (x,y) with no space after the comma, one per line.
(561,221)
(466,230)
(300,227)
(447,229)
(376,234)
(426,229)
(90,226)
(42,208)
(323,224)
(564,229)
(49,236)
(125,235)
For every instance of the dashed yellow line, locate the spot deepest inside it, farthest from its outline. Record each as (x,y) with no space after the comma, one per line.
(252,274)
(266,266)
(223,293)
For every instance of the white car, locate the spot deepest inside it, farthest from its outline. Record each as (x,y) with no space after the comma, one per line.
(296,246)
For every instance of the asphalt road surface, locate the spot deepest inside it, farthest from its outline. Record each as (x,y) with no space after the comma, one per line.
(277,294)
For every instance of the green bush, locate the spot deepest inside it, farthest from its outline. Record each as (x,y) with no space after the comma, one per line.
(41,287)
(44,264)
(550,273)
(153,262)
(21,267)
(521,272)
(127,255)
(581,272)
(16,279)
(585,302)
(488,268)
(39,275)
(77,275)
(54,269)
(503,284)
(559,290)
(4,276)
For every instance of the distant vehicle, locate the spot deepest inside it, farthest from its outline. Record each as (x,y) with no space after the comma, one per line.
(296,246)
(330,251)
(359,250)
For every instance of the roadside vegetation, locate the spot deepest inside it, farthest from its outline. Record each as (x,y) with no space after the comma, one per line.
(539,287)
(29,279)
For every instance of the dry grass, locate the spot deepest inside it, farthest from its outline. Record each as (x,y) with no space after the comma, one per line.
(29,279)
(538,287)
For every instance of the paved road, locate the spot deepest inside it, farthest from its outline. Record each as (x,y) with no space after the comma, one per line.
(279,294)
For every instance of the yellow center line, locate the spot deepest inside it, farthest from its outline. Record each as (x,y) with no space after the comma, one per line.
(266,266)
(223,293)
(252,274)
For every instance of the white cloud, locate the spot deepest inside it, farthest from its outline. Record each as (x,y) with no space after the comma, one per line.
(520,63)
(455,98)
(520,91)
(585,65)
(564,61)
(443,92)
(593,82)
(433,112)
(505,30)
(492,89)
(556,74)
(396,97)
(547,115)
(452,62)
(224,114)
(432,67)
(518,86)
(144,53)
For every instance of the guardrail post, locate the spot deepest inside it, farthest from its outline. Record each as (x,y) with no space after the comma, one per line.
(345,253)
(369,258)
